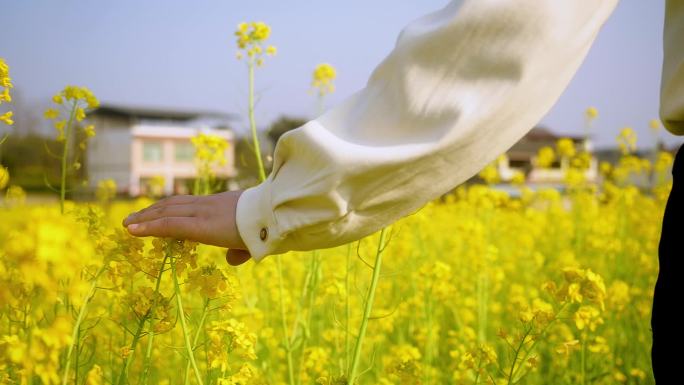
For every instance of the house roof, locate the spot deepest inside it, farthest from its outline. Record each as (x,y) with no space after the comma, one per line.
(535,139)
(144,112)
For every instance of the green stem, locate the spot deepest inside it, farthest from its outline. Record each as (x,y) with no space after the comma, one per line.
(351,377)
(479,366)
(123,374)
(150,335)
(77,354)
(184,326)
(584,360)
(347,340)
(482,288)
(79,319)
(513,370)
(535,342)
(196,186)
(320,103)
(200,327)
(428,342)
(311,291)
(288,348)
(252,123)
(65,153)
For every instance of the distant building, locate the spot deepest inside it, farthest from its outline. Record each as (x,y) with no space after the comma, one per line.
(136,145)
(522,157)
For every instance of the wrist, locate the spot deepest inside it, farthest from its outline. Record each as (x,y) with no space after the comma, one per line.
(255,221)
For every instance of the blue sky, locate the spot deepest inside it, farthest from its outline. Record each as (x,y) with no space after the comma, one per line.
(181,54)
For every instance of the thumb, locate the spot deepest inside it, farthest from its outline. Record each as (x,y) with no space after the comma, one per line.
(236,257)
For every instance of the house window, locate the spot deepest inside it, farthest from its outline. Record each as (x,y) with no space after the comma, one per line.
(184,152)
(153,152)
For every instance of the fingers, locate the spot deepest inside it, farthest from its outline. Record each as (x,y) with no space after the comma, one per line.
(166,202)
(236,257)
(150,214)
(175,200)
(168,227)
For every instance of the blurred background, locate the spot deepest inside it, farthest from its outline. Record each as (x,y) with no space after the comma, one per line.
(166,70)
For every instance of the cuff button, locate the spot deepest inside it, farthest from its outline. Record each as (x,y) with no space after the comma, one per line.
(263,234)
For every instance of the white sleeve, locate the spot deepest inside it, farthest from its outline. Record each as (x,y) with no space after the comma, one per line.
(459,88)
(672,82)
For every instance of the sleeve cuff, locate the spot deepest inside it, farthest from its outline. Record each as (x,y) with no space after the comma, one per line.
(255,221)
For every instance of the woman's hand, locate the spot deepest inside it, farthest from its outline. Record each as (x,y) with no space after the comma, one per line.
(206,219)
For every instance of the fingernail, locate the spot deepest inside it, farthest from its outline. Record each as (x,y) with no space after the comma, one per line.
(133,227)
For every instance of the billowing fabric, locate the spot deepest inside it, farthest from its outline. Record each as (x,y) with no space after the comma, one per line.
(460,87)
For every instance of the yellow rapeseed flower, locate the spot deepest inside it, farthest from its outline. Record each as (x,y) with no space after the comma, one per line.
(250,37)
(79,99)
(323,76)
(566,147)
(80,114)
(663,162)
(7,118)
(655,125)
(89,130)
(106,190)
(95,376)
(605,167)
(59,126)
(4,177)
(15,195)
(5,85)
(545,157)
(591,113)
(627,140)
(518,178)
(638,373)
(209,148)
(5,80)
(587,317)
(490,174)
(5,96)
(51,113)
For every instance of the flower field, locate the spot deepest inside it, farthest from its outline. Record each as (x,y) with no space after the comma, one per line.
(479,287)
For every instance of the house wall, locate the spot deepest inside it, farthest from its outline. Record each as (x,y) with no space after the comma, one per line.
(109,152)
(168,168)
(116,152)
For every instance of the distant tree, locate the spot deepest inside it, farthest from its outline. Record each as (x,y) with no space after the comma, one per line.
(245,161)
(27,116)
(282,125)
(29,162)
(27,119)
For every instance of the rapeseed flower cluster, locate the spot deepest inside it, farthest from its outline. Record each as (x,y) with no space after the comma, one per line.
(627,140)
(5,97)
(4,177)
(545,157)
(250,39)
(106,190)
(72,102)
(323,77)
(210,154)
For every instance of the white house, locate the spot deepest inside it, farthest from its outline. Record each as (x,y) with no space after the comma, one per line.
(521,157)
(134,146)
